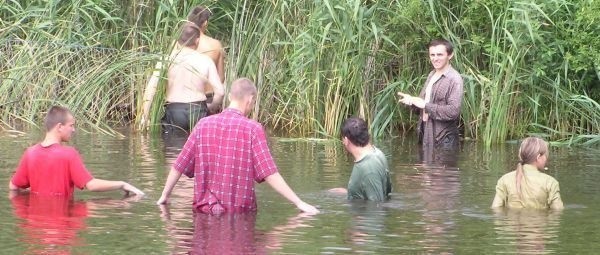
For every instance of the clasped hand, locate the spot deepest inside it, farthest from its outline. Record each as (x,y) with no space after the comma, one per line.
(410,100)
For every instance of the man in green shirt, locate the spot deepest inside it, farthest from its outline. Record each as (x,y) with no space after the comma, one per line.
(370,178)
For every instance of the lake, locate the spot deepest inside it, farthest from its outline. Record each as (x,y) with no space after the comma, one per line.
(435,208)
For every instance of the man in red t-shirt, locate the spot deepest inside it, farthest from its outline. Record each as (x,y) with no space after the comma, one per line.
(226,153)
(50,168)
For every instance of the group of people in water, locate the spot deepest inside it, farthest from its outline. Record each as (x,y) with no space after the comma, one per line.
(227,153)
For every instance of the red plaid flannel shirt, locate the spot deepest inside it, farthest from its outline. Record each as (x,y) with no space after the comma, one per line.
(226,153)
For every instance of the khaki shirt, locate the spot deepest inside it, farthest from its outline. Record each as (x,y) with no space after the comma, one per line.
(539,190)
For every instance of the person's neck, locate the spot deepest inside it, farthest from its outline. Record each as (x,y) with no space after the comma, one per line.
(237,106)
(442,70)
(50,139)
(360,152)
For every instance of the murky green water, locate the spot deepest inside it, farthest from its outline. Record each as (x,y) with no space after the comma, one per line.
(433,209)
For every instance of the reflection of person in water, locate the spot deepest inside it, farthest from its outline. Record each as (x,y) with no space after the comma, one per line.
(233,233)
(368,222)
(440,193)
(529,229)
(49,224)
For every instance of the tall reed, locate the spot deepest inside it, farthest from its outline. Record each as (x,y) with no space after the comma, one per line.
(315,62)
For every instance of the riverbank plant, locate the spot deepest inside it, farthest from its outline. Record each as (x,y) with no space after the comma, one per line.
(529,67)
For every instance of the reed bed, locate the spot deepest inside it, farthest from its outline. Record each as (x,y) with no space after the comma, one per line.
(529,68)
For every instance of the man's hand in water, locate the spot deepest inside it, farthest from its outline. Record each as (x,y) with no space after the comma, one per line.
(162,200)
(307,208)
(130,188)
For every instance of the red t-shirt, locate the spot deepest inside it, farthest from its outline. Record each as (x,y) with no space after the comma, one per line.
(52,170)
(226,153)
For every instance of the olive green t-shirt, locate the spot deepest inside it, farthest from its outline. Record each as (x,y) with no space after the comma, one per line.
(370,178)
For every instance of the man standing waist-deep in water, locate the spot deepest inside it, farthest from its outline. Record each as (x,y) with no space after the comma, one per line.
(439,101)
(190,73)
(226,154)
(370,178)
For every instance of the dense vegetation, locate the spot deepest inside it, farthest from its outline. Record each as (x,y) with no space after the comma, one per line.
(529,66)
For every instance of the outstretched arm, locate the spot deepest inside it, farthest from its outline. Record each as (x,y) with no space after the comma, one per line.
(105,185)
(278,184)
(172,179)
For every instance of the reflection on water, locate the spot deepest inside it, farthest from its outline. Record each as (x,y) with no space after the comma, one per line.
(440,205)
(49,225)
(367,221)
(530,231)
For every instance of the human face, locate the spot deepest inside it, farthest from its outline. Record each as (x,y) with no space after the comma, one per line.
(67,129)
(438,55)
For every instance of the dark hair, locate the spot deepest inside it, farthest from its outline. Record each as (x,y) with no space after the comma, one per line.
(56,114)
(189,35)
(447,44)
(356,130)
(199,15)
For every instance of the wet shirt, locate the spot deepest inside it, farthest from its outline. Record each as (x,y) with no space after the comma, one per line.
(225,154)
(52,170)
(538,189)
(370,178)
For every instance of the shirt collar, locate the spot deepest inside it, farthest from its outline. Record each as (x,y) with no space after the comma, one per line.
(450,68)
(232,110)
(529,168)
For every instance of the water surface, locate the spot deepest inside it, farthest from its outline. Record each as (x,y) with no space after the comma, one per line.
(435,208)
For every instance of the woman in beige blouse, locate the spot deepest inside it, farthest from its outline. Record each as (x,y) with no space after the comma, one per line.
(528,186)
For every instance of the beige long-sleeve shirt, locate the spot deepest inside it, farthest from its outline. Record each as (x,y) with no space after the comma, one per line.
(538,190)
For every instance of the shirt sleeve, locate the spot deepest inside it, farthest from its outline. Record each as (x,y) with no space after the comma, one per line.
(554,194)
(21,176)
(187,157)
(373,188)
(501,194)
(79,174)
(264,165)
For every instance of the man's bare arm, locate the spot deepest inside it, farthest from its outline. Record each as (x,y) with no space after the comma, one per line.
(105,185)
(278,184)
(172,179)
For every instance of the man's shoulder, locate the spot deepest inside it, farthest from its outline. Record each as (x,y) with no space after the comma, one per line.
(212,42)
(231,116)
(453,74)
(67,150)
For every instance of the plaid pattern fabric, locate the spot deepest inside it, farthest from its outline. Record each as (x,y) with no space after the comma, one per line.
(226,153)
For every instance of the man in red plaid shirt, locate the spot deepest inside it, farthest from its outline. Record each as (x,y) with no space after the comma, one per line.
(226,153)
